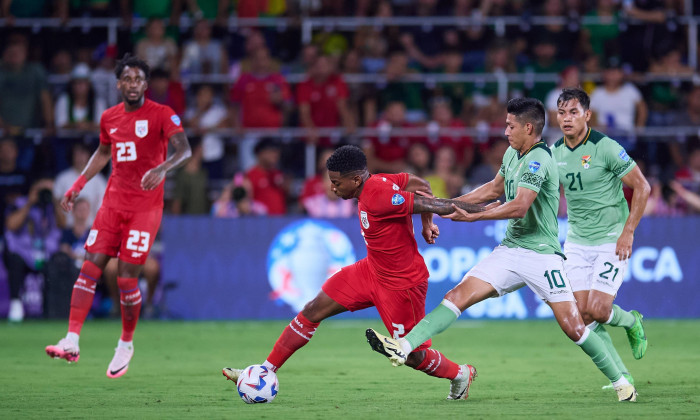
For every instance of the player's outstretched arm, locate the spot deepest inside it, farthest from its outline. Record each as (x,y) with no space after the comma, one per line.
(153,177)
(486,192)
(514,209)
(97,162)
(442,206)
(421,188)
(640,195)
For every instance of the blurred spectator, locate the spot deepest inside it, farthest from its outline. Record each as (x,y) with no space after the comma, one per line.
(93,190)
(372,47)
(456,92)
(638,41)
(254,42)
(75,234)
(690,198)
(315,185)
(156,49)
(688,117)
(79,108)
(165,91)
(190,192)
(419,160)
(60,66)
(32,231)
(617,105)
(151,9)
(490,164)
(322,100)
(446,180)
(268,183)
(93,8)
(12,9)
(103,80)
(397,89)
(665,96)
(235,202)
(217,10)
(665,200)
(387,151)
(545,61)
(562,35)
(13,181)
(484,95)
(461,145)
(207,116)
(307,57)
(689,175)
(595,37)
(25,101)
(261,97)
(202,54)
(328,205)
(569,77)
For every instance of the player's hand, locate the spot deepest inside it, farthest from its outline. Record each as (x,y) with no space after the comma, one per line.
(623,249)
(152,178)
(460,215)
(430,233)
(492,205)
(67,201)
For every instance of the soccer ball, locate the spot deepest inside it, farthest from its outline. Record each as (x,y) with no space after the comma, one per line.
(257,384)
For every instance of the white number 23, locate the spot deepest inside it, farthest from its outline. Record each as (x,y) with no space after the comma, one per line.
(138,241)
(126,151)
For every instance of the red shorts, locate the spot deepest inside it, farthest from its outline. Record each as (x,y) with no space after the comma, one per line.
(124,234)
(356,287)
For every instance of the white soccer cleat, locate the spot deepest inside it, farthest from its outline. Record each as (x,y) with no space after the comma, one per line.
(387,346)
(65,349)
(120,362)
(626,393)
(232,374)
(459,387)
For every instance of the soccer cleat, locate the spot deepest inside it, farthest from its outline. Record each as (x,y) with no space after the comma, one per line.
(65,349)
(626,393)
(627,376)
(637,337)
(387,346)
(120,362)
(232,374)
(459,387)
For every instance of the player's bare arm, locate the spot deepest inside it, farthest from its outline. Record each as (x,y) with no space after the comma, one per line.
(641,190)
(442,206)
(152,178)
(486,192)
(514,209)
(97,162)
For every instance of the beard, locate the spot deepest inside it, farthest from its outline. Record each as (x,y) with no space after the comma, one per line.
(135,101)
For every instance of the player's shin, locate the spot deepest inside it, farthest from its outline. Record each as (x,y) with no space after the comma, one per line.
(598,329)
(130,300)
(595,348)
(294,337)
(434,323)
(436,364)
(83,295)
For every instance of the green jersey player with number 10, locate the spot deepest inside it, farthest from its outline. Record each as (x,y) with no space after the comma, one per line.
(530,253)
(592,168)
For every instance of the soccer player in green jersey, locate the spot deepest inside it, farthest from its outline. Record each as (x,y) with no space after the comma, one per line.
(530,253)
(592,168)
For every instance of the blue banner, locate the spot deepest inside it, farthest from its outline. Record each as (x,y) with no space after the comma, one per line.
(267,268)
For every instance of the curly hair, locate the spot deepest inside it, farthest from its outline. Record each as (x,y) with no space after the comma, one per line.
(347,159)
(131,61)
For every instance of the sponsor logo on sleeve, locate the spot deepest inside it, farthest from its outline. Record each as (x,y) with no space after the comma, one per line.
(175,119)
(534,166)
(586,161)
(141,128)
(397,199)
(623,155)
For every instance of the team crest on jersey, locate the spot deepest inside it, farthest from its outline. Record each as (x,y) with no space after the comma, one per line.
(623,155)
(141,128)
(397,199)
(92,237)
(586,161)
(364,219)
(534,166)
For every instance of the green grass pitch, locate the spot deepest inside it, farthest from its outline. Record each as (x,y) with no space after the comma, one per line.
(527,369)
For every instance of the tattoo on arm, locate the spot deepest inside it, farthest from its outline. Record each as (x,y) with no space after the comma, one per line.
(442,206)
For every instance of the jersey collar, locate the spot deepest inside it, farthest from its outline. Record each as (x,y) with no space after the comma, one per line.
(539,143)
(585,139)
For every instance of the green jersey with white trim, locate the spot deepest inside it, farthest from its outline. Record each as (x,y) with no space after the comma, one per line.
(539,230)
(590,174)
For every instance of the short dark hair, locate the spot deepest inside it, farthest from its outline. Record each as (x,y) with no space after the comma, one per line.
(131,61)
(528,110)
(579,94)
(264,144)
(347,159)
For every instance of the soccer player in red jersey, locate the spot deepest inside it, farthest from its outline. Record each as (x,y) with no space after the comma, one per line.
(393,277)
(135,135)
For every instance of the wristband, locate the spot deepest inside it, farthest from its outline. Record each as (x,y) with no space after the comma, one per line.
(77,186)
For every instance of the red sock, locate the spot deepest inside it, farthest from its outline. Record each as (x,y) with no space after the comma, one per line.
(83,294)
(436,364)
(294,337)
(130,299)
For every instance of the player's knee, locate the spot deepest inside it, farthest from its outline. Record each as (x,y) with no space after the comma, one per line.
(597,312)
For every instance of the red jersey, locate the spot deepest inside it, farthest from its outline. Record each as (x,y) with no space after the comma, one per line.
(389,147)
(267,189)
(458,143)
(253,94)
(139,142)
(385,211)
(323,99)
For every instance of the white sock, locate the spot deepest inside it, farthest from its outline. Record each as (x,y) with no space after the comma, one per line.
(270,366)
(621,381)
(405,346)
(592,326)
(125,344)
(73,337)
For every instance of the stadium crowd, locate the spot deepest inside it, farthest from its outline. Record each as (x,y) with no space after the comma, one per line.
(227,84)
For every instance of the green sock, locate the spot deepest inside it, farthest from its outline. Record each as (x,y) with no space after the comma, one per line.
(594,347)
(433,324)
(621,318)
(603,334)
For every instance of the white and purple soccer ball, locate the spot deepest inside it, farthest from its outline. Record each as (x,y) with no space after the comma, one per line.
(257,384)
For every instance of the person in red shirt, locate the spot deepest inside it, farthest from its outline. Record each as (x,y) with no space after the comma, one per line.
(393,277)
(135,136)
(322,100)
(268,183)
(165,91)
(462,145)
(260,98)
(387,151)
